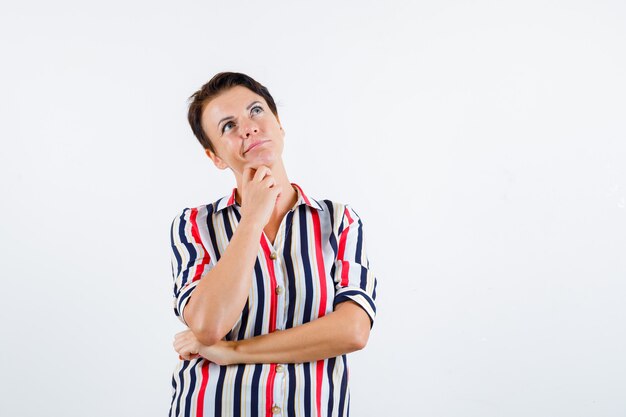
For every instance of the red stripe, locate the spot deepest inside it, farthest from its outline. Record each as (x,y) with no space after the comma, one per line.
(270,267)
(345,273)
(304,197)
(205,379)
(347,212)
(196,237)
(318,398)
(342,249)
(321,271)
(322,307)
(269,393)
(231,200)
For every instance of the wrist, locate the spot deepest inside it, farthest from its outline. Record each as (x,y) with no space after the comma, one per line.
(250,224)
(234,356)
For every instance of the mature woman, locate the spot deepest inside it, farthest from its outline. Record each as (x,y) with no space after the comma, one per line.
(273,285)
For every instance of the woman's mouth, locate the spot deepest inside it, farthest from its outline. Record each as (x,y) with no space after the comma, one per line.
(254,145)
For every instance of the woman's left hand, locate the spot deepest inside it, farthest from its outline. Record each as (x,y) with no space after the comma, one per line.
(221,353)
(188,347)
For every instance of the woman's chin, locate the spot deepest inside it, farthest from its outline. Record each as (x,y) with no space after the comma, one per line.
(263,157)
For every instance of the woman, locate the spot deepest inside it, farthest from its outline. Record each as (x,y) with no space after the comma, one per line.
(273,285)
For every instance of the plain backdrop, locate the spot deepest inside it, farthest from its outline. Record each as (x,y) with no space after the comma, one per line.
(483,144)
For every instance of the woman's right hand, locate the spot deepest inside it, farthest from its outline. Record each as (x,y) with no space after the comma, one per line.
(258,195)
(187,345)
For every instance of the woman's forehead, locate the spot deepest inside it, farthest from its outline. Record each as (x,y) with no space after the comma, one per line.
(231,101)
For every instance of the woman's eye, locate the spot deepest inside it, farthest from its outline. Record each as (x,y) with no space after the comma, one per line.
(227,126)
(256,110)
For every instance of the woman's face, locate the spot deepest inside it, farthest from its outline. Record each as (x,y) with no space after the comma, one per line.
(243,130)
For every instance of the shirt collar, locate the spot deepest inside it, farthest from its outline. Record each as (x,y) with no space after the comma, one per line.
(303,199)
(229,200)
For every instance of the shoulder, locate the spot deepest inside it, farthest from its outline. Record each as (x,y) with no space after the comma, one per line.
(194,214)
(339,214)
(337,207)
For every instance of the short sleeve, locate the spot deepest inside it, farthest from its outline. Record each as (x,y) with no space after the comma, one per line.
(353,279)
(189,257)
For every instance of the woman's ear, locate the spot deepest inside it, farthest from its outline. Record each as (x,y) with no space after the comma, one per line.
(217,161)
(281,125)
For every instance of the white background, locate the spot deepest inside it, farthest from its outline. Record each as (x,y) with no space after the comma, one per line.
(483,143)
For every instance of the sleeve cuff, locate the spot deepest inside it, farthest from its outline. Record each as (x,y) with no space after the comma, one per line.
(358,296)
(183,298)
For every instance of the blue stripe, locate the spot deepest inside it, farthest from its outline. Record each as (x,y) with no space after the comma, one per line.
(190,392)
(241,334)
(182,385)
(291,398)
(359,243)
(236,212)
(260,307)
(332,238)
(291,279)
(363,283)
(331,386)
(182,298)
(219,389)
(344,386)
(179,260)
(237,391)
(254,395)
(306,264)
(342,225)
(307,389)
(345,296)
(211,228)
(374,291)
(174,395)
(193,254)
(227,226)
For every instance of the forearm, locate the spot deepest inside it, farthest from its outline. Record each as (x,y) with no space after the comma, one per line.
(220,296)
(343,331)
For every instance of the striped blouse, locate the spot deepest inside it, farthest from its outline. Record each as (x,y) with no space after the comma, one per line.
(318,260)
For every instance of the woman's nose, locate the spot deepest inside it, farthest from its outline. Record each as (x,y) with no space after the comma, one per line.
(249,129)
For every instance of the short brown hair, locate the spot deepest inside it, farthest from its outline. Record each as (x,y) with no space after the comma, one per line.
(219,83)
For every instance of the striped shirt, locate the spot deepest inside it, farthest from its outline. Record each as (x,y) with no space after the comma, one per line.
(318,260)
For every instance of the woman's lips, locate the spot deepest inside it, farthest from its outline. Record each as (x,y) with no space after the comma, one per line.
(254,145)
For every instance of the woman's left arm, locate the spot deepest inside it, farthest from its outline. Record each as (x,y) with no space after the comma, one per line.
(343,331)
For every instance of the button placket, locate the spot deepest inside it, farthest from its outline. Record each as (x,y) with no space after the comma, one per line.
(279,290)
(280,301)
(279,389)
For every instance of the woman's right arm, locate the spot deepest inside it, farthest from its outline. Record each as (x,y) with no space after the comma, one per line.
(221,294)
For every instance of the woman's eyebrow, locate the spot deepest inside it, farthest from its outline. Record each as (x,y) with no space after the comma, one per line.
(224,119)
(232,117)
(252,104)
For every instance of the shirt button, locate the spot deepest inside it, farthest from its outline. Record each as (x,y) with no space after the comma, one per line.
(279,290)
(273,256)
(276,409)
(279,368)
